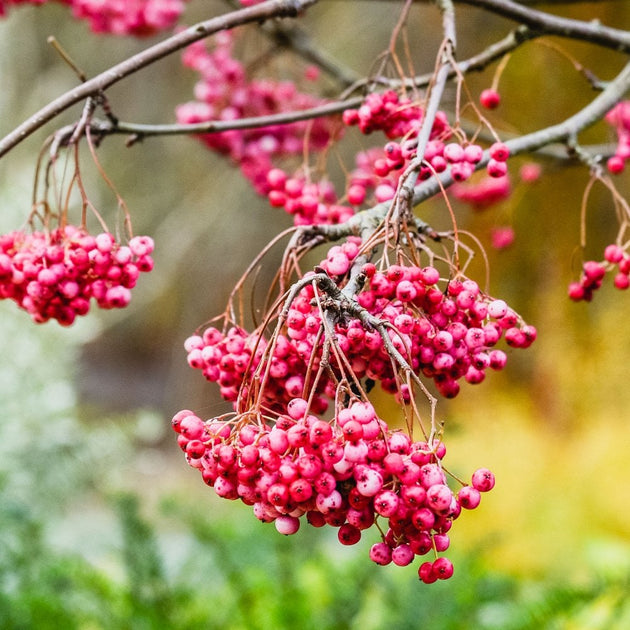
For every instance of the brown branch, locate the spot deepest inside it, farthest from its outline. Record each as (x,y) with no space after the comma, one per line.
(96,85)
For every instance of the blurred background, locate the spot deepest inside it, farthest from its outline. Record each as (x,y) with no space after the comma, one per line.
(102,523)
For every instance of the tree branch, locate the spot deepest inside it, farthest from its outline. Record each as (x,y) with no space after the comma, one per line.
(96,85)
(592,32)
(565,132)
(101,128)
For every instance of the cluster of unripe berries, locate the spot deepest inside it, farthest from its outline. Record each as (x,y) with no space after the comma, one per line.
(226,93)
(349,473)
(121,17)
(444,334)
(593,273)
(56,274)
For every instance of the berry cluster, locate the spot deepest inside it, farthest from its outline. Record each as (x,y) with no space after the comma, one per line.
(309,203)
(139,18)
(593,273)
(445,335)
(619,118)
(225,92)
(399,117)
(378,170)
(54,275)
(347,473)
(121,17)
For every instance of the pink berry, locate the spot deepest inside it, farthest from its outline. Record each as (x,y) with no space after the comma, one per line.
(356,195)
(496,168)
(453,152)
(443,568)
(402,555)
(287,525)
(473,153)
(613,253)
(483,480)
(621,281)
(469,497)
(499,152)
(381,553)
(615,164)
(426,573)
(490,99)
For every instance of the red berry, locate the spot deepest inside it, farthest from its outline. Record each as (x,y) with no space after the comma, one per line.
(615,164)
(490,99)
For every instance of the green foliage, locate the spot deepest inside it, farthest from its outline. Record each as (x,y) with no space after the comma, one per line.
(191,560)
(238,574)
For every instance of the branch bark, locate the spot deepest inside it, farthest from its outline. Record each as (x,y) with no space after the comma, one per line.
(592,32)
(95,86)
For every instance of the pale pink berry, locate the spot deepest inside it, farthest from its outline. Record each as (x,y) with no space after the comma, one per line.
(496,168)
(369,481)
(296,408)
(287,525)
(363,412)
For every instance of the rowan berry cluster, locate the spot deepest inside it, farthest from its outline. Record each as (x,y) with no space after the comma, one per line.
(593,273)
(348,473)
(444,334)
(378,170)
(56,274)
(139,18)
(399,117)
(225,93)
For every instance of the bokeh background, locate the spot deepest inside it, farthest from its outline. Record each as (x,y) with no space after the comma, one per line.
(102,524)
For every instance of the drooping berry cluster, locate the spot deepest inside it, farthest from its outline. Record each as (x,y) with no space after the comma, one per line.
(225,92)
(444,334)
(139,18)
(350,473)
(56,274)
(593,273)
